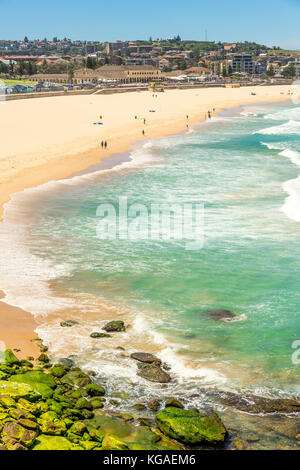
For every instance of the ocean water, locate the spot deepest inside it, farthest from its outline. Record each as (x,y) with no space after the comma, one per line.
(244,167)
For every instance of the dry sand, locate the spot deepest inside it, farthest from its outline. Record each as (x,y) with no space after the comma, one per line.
(51,138)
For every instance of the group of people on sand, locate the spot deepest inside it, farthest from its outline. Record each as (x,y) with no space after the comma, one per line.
(104,144)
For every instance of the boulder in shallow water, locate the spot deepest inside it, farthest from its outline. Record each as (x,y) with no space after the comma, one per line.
(256,404)
(153,373)
(68,323)
(221,315)
(116,325)
(173,402)
(97,334)
(145,357)
(191,427)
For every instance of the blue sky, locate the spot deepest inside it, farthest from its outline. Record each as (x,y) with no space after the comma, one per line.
(272,22)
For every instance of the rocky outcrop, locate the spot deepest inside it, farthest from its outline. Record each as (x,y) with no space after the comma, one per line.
(221,315)
(191,427)
(96,334)
(114,326)
(153,373)
(255,404)
(69,323)
(146,357)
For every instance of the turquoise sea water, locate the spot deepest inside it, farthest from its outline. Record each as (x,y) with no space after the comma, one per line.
(244,168)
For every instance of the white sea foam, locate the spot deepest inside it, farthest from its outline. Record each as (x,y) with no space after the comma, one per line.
(290,127)
(285,114)
(291,205)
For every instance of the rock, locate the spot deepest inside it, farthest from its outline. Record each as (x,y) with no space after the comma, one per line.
(39,382)
(68,323)
(114,326)
(221,315)
(190,427)
(7,402)
(59,370)
(82,403)
(44,442)
(256,404)
(139,407)
(17,390)
(8,358)
(153,405)
(51,424)
(145,357)
(9,442)
(113,443)
(76,378)
(96,435)
(78,428)
(97,403)
(99,335)
(239,444)
(43,358)
(19,414)
(153,373)
(29,407)
(18,447)
(95,390)
(20,434)
(28,423)
(174,403)
(66,361)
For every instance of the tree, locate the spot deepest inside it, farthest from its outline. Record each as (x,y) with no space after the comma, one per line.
(26,39)
(271,71)
(70,72)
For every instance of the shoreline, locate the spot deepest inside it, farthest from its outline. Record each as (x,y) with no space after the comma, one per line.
(86,162)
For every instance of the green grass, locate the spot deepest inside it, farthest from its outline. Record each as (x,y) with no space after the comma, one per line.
(18,82)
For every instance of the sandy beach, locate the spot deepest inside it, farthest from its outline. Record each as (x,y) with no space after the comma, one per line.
(48,139)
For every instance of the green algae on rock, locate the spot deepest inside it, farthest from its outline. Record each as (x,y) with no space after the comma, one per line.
(191,427)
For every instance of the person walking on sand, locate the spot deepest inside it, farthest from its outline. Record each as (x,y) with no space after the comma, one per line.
(143,132)
(105,144)
(102,144)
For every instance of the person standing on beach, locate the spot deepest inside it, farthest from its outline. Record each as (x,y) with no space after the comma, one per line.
(143,132)
(105,144)
(102,143)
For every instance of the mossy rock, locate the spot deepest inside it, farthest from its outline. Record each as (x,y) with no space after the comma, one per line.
(8,358)
(95,390)
(97,403)
(173,402)
(113,443)
(97,334)
(44,442)
(17,390)
(43,358)
(39,381)
(112,326)
(119,433)
(76,378)
(191,427)
(51,424)
(59,370)
(15,431)
(90,445)
(7,402)
(26,405)
(83,403)
(78,428)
